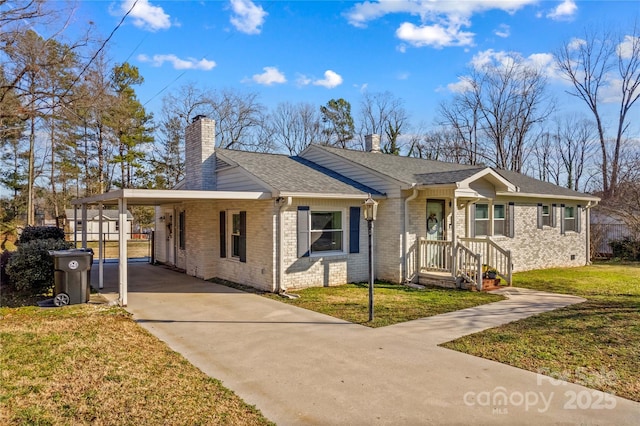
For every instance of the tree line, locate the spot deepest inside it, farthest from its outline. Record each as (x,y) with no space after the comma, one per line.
(72,125)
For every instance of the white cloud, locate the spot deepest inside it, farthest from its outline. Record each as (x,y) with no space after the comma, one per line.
(146,16)
(440,22)
(331,79)
(628,46)
(576,43)
(503,31)
(434,35)
(302,80)
(564,11)
(270,76)
(462,85)
(179,64)
(248,18)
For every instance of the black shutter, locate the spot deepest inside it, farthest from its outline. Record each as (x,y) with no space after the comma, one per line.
(540,221)
(354,230)
(303,231)
(562,219)
(511,222)
(243,237)
(223,234)
(472,221)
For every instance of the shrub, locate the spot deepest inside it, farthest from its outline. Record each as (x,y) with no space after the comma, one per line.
(4,261)
(626,248)
(30,268)
(31,233)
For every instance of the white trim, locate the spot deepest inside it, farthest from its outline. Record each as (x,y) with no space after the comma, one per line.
(493,177)
(167,196)
(559,198)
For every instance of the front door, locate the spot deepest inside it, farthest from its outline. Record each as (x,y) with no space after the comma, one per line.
(436,220)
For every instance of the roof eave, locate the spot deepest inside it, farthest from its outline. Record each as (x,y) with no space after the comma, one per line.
(341,196)
(548,196)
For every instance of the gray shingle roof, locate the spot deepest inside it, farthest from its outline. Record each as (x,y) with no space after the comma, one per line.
(404,169)
(429,172)
(295,174)
(530,185)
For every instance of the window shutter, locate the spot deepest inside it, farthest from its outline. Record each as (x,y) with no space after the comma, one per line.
(553,220)
(223,234)
(540,222)
(243,237)
(562,219)
(472,221)
(354,230)
(511,221)
(303,231)
(578,216)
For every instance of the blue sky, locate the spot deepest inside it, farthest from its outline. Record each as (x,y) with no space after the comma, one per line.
(314,51)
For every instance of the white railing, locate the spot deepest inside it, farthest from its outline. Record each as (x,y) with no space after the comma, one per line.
(468,265)
(492,255)
(435,255)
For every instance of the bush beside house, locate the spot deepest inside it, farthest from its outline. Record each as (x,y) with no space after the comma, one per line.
(29,269)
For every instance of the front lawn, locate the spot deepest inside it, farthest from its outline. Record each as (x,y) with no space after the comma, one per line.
(392,303)
(595,343)
(87,364)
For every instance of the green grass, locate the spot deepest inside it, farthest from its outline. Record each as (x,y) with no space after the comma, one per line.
(595,343)
(392,303)
(92,364)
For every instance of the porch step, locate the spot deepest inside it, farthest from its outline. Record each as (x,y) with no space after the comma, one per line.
(489,284)
(440,279)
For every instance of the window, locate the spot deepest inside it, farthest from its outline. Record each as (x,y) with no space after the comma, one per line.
(117,225)
(569,218)
(482,219)
(546,215)
(499,216)
(79,225)
(181,230)
(326,231)
(235,234)
(233,230)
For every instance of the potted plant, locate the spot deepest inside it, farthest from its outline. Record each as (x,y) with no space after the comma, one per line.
(489,272)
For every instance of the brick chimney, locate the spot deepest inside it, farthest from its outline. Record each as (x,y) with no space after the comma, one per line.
(200,162)
(372,143)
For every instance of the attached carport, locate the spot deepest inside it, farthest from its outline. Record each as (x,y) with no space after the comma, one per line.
(145,197)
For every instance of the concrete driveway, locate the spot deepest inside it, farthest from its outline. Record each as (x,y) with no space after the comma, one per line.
(303,368)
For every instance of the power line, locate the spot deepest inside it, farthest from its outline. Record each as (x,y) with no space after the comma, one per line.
(104,43)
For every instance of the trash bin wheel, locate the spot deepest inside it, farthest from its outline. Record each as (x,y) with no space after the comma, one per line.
(61,299)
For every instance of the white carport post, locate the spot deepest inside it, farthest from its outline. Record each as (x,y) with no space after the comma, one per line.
(84,226)
(122,237)
(100,254)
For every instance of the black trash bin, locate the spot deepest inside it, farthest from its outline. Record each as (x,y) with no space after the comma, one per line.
(72,276)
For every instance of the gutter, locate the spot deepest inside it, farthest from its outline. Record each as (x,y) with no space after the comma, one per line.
(405,255)
(587,226)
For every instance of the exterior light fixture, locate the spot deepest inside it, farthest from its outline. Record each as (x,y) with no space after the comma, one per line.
(370,211)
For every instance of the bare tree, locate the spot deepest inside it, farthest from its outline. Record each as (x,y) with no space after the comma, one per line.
(497,111)
(384,114)
(238,116)
(295,126)
(595,64)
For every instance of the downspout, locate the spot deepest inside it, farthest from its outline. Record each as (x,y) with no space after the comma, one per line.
(587,226)
(405,246)
(282,203)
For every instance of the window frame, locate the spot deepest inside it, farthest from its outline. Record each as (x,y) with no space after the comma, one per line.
(487,219)
(570,219)
(342,230)
(503,219)
(230,235)
(546,217)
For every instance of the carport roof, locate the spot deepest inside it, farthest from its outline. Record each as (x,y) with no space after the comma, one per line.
(155,197)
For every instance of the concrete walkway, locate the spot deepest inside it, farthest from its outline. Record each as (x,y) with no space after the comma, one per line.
(303,368)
